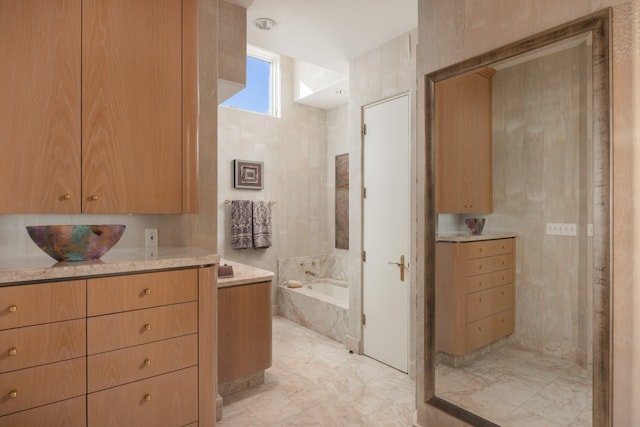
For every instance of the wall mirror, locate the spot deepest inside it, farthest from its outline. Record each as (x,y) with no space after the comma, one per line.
(524,92)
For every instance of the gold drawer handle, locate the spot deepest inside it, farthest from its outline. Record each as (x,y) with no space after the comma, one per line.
(504,263)
(147,362)
(502,319)
(480,328)
(480,250)
(66,197)
(147,291)
(480,299)
(504,246)
(147,326)
(13,351)
(504,278)
(94,197)
(479,283)
(147,397)
(13,308)
(13,394)
(480,266)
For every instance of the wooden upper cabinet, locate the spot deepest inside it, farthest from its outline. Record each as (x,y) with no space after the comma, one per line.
(40,106)
(98,112)
(132,97)
(463,147)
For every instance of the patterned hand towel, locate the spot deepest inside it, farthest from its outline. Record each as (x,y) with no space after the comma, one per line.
(262,224)
(241,224)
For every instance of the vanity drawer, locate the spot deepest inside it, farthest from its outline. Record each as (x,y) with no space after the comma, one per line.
(108,295)
(485,303)
(114,331)
(119,367)
(502,262)
(166,400)
(68,413)
(489,329)
(38,345)
(502,246)
(488,281)
(487,248)
(27,388)
(27,305)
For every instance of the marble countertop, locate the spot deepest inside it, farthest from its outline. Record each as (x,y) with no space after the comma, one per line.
(40,267)
(464,236)
(243,274)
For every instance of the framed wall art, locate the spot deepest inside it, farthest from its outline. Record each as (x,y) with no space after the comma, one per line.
(247,174)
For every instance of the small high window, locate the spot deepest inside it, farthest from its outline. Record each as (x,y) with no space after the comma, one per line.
(262,93)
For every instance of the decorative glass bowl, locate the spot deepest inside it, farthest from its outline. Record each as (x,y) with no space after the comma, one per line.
(475,225)
(75,242)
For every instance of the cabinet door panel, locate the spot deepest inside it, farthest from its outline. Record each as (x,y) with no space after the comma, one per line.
(165,400)
(41,303)
(107,295)
(132,106)
(37,345)
(130,328)
(40,106)
(68,413)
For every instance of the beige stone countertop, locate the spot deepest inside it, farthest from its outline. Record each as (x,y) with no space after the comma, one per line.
(243,274)
(40,267)
(464,236)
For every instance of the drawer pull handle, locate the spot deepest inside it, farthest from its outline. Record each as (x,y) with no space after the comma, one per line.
(502,293)
(480,299)
(504,278)
(480,328)
(502,319)
(147,397)
(504,263)
(13,351)
(480,250)
(147,362)
(479,283)
(147,326)
(147,291)
(66,197)
(13,394)
(504,246)
(93,197)
(480,266)
(13,308)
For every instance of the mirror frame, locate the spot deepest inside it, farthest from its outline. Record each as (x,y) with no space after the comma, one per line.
(599,25)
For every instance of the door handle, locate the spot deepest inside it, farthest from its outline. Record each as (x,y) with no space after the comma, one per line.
(401,265)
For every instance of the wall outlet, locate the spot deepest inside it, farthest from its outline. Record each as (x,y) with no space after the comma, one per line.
(150,237)
(561,229)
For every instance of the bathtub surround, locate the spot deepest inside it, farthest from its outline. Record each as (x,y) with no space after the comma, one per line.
(319,311)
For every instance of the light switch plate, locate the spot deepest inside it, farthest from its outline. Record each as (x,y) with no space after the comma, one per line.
(561,229)
(150,237)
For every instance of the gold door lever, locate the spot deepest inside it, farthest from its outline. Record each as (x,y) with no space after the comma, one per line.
(401,265)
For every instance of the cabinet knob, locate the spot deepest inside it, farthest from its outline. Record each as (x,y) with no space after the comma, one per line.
(504,278)
(480,250)
(147,291)
(66,197)
(502,319)
(147,397)
(480,267)
(480,328)
(147,326)
(480,283)
(13,308)
(480,299)
(93,197)
(13,351)
(13,394)
(147,362)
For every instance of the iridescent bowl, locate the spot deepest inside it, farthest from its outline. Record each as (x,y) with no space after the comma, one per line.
(475,225)
(75,242)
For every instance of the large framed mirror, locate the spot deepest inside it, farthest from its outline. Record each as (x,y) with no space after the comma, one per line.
(588,42)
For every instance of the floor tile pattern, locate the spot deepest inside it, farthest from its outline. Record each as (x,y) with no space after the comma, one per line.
(314,381)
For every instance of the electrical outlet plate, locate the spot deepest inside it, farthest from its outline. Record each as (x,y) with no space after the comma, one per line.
(150,237)
(561,229)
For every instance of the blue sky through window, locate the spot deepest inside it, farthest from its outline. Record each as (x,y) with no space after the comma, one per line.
(256,95)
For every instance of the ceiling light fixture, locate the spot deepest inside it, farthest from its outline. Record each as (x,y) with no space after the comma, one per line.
(265,24)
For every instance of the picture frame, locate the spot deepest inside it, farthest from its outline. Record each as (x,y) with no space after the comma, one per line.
(248,174)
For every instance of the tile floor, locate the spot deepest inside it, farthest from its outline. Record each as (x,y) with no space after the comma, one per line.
(314,381)
(513,387)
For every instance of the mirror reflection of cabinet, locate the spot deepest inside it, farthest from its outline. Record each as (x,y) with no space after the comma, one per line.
(475,294)
(463,143)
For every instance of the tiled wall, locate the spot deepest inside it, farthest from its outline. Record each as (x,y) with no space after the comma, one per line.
(329,266)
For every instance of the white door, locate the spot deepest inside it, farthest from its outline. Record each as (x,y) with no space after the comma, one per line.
(386,218)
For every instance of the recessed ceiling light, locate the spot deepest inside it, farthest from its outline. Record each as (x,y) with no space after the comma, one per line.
(265,23)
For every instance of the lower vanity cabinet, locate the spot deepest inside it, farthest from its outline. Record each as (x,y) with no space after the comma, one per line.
(475,294)
(124,350)
(42,354)
(244,335)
